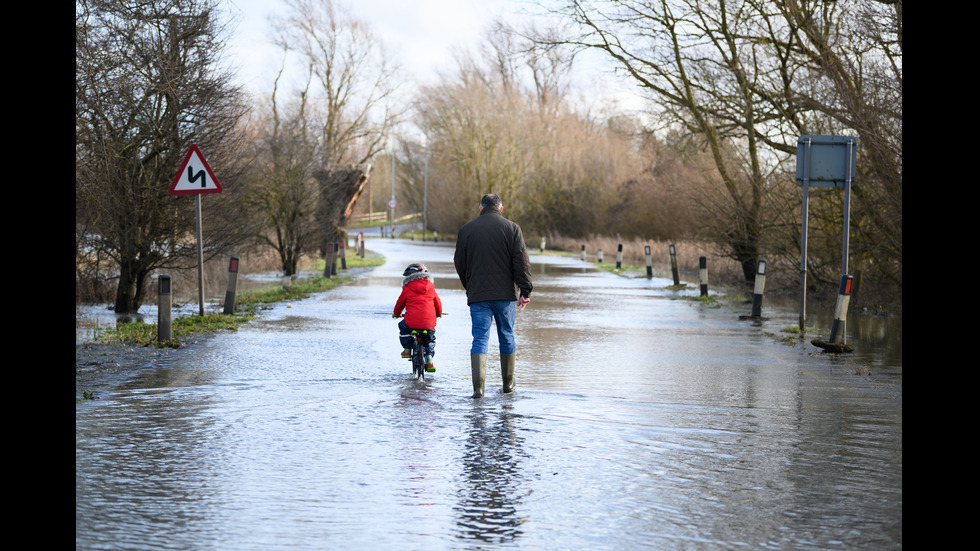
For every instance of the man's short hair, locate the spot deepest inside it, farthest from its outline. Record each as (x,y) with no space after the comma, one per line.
(490,201)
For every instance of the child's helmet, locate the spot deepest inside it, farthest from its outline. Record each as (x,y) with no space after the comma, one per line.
(415,268)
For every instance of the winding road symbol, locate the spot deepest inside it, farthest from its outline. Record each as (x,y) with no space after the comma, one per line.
(195,175)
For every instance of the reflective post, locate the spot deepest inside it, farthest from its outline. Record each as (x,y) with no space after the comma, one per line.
(840,311)
(619,256)
(760,288)
(703,275)
(330,268)
(164,305)
(343,253)
(542,243)
(646,251)
(598,256)
(583,252)
(232,285)
(673,264)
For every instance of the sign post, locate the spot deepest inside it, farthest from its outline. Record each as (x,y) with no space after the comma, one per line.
(195,177)
(824,161)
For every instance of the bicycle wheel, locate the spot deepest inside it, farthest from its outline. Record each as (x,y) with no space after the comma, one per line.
(418,361)
(418,356)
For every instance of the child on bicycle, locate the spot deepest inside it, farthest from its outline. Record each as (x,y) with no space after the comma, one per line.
(422,306)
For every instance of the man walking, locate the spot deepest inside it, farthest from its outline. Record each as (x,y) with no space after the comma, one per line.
(493,266)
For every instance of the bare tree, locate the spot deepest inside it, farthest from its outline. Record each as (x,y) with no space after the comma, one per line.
(147,85)
(746,78)
(350,78)
(314,144)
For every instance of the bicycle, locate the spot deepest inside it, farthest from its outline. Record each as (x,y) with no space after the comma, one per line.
(420,341)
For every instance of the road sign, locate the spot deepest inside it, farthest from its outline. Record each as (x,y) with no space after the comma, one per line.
(195,175)
(826,161)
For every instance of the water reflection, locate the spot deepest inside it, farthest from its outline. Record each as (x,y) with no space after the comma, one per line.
(642,421)
(490,493)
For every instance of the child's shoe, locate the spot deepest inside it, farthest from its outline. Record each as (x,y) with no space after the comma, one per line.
(429,366)
(406,353)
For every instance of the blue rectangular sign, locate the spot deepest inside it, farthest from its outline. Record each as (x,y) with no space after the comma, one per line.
(830,160)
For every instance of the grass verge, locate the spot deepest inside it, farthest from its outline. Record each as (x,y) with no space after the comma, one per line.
(248,306)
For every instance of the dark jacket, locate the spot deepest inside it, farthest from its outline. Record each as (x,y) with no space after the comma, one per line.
(420,302)
(491,259)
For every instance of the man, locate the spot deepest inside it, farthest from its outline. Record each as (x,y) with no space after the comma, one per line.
(493,266)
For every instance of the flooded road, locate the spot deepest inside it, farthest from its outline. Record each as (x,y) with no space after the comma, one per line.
(641,421)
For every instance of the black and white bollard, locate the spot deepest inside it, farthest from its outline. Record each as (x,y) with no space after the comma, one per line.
(619,256)
(840,311)
(164,306)
(760,289)
(232,286)
(360,244)
(330,268)
(343,253)
(598,256)
(542,243)
(583,253)
(673,264)
(646,251)
(703,275)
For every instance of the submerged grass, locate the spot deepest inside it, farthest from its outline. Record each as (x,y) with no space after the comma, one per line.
(248,305)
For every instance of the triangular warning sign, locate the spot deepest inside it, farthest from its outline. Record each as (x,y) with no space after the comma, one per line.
(194,176)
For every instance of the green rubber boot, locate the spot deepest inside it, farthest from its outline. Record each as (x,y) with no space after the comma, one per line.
(478,363)
(507,371)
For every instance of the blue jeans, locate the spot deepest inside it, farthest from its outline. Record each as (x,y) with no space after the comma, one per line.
(499,312)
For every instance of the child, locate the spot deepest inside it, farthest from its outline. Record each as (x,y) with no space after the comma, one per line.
(422,306)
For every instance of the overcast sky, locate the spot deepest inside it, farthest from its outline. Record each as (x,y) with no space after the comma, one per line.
(422,35)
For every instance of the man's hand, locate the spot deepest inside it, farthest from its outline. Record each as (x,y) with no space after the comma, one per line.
(522,302)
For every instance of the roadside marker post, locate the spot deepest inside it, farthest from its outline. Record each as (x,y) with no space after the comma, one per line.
(164,305)
(840,310)
(232,285)
(703,274)
(760,288)
(673,264)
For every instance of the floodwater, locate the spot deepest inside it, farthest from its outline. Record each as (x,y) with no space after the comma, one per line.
(642,420)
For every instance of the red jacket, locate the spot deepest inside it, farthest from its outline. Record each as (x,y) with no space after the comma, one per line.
(419,301)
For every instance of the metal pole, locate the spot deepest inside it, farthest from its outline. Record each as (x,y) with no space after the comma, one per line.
(391,202)
(425,196)
(200,256)
(847,240)
(803,235)
(847,208)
